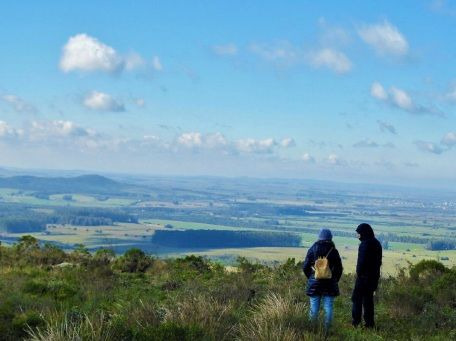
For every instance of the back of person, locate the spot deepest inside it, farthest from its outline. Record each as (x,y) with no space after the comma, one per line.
(322,287)
(369,256)
(367,276)
(326,288)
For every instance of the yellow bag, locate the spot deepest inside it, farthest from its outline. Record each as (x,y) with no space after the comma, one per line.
(321,267)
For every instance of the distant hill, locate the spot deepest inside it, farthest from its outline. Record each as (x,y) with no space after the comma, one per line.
(80,184)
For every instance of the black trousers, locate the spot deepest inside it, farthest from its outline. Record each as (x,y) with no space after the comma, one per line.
(363,300)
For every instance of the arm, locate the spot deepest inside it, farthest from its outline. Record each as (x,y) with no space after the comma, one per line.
(308,262)
(362,261)
(337,268)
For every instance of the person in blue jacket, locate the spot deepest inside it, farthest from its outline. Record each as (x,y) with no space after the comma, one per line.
(367,276)
(323,290)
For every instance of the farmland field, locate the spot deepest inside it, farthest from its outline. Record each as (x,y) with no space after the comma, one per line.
(411,224)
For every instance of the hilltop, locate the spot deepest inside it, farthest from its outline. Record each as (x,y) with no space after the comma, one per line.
(48,294)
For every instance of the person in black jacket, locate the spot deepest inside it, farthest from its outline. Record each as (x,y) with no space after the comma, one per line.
(367,276)
(322,289)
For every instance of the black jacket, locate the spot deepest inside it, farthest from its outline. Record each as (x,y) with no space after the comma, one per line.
(369,257)
(320,287)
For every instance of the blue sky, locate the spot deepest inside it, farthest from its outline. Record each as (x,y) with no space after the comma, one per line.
(352,91)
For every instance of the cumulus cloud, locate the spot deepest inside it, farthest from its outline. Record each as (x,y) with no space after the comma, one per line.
(103,102)
(335,160)
(229,50)
(17,103)
(429,147)
(8,133)
(54,134)
(197,140)
(265,146)
(332,59)
(449,139)
(400,99)
(217,141)
(378,91)
(85,53)
(385,39)
(386,127)
(88,54)
(57,128)
(307,158)
(288,142)
(190,140)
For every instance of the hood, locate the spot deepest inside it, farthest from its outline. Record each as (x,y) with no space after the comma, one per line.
(365,230)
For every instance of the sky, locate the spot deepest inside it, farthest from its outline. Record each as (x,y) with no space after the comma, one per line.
(345,91)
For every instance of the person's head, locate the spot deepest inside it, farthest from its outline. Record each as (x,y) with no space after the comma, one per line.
(364,231)
(325,234)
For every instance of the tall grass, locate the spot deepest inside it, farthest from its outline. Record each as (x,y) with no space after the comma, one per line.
(74,329)
(275,318)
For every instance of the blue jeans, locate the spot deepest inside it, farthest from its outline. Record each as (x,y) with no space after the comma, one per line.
(328,303)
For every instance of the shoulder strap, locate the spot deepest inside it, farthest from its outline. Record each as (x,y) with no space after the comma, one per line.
(329,252)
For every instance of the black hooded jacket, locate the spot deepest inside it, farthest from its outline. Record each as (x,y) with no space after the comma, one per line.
(369,256)
(327,287)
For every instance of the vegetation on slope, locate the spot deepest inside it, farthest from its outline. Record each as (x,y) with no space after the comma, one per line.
(47,294)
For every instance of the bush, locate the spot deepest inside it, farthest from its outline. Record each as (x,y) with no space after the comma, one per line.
(134,260)
(427,269)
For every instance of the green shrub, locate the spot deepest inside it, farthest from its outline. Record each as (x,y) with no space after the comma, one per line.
(427,269)
(134,260)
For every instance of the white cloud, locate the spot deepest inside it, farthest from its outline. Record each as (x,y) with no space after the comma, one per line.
(190,140)
(134,61)
(400,99)
(17,103)
(103,102)
(85,53)
(385,39)
(378,91)
(386,127)
(429,147)
(7,132)
(250,145)
(58,128)
(217,141)
(335,160)
(229,49)
(306,157)
(449,139)
(156,64)
(331,59)
(288,142)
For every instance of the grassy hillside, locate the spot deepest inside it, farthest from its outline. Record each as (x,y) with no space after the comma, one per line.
(47,294)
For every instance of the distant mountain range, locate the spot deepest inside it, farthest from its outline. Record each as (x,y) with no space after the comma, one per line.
(80,184)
